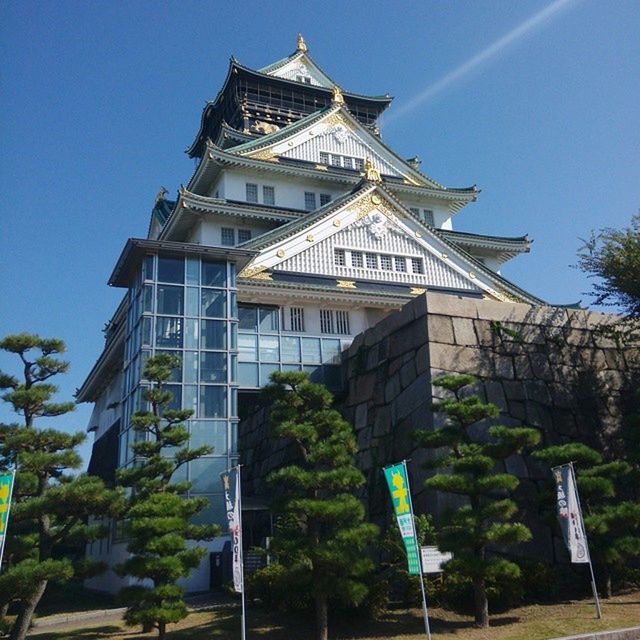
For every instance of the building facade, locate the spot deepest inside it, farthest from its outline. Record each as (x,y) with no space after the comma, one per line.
(298,230)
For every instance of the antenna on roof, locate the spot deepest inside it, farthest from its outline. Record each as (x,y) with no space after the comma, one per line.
(301,45)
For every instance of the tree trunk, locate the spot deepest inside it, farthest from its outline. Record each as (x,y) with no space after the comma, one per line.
(481,603)
(162,630)
(322,623)
(608,592)
(23,621)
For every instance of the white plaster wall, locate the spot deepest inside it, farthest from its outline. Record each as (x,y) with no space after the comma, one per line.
(289,192)
(208,232)
(107,408)
(358,318)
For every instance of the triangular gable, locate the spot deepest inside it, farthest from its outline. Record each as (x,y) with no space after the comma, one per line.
(336,133)
(374,222)
(301,68)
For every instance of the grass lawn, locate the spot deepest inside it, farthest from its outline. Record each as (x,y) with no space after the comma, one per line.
(533,622)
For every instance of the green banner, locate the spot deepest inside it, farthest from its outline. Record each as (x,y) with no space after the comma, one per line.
(398,482)
(6,488)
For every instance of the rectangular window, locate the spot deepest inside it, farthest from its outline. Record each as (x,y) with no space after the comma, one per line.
(339,257)
(213,303)
(326,321)
(214,274)
(269,319)
(268,195)
(336,161)
(428,216)
(169,332)
(416,265)
(170,300)
(244,235)
(227,237)
(252,192)
(309,200)
(357,259)
(385,263)
(401,264)
(213,402)
(359,164)
(213,334)
(324,157)
(296,319)
(342,322)
(347,162)
(171,270)
(372,261)
(325,198)
(213,366)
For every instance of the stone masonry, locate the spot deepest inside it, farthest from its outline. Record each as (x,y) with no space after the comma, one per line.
(544,367)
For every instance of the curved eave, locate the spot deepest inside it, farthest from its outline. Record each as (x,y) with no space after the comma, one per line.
(235,67)
(505,248)
(216,159)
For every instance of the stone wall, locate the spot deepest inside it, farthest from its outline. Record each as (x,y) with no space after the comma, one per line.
(544,367)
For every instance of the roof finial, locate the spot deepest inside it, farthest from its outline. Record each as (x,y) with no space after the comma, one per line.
(301,45)
(371,174)
(161,194)
(338,98)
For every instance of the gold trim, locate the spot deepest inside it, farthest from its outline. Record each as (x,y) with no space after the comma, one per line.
(346,284)
(280,253)
(322,167)
(310,238)
(375,198)
(263,275)
(370,172)
(264,154)
(336,223)
(417,291)
(418,234)
(337,98)
(301,45)
(250,272)
(472,274)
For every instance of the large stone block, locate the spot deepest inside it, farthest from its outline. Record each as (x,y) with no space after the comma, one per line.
(452,358)
(495,394)
(360,420)
(451,305)
(540,366)
(503,366)
(416,394)
(463,331)
(440,329)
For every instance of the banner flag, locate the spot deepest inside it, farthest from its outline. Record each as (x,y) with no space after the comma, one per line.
(6,489)
(398,482)
(231,485)
(569,514)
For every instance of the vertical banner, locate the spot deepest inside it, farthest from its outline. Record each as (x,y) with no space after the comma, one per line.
(569,514)
(231,485)
(396,476)
(6,490)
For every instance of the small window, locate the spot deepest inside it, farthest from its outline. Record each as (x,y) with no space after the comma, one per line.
(325,198)
(416,265)
(324,157)
(340,258)
(228,237)
(336,161)
(357,259)
(372,261)
(268,195)
(359,164)
(326,321)
(309,200)
(252,192)
(348,163)
(342,322)
(428,216)
(385,263)
(296,319)
(401,264)
(244,235)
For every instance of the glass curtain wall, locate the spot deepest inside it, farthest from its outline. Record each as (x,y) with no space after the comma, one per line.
(187,307)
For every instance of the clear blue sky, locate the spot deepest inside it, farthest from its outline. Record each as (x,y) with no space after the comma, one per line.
(100,99)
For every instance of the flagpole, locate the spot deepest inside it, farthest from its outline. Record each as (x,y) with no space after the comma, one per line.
(239,498)
(425,611)
(4,534)
(586,544)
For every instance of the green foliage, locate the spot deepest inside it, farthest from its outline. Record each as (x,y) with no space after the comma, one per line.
(52,509)
(469,470)
(159,518)
(612,257)
(320,530)
(613,526)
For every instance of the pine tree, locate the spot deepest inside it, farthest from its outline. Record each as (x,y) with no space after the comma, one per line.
(469,470)
(50,507)
(158,516)
(321,533)
(613,527)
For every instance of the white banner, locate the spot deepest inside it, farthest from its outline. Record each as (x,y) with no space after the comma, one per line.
(234,519)
(569,514)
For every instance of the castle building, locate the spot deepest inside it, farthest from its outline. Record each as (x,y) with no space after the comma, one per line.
(299,229)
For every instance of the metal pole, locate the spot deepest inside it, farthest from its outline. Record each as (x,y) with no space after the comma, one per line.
(586,543)
(425,611)
(4,535)
(243,625)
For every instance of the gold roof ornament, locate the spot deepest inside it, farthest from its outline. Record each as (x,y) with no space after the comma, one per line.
(161,194)
(301,45)
(371,174)
(338,98)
